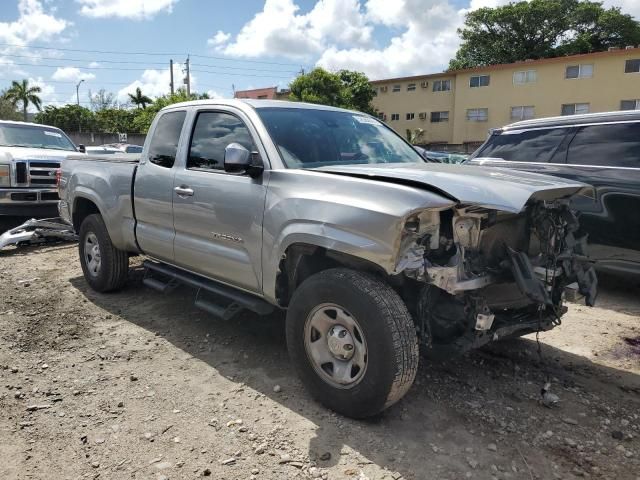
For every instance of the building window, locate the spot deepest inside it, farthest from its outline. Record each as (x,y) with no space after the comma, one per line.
(479,81)
(395,116)
(632,66)
(441,85)
(522,113)
(437,117)
(478,114)
(575,108)
(396,88)
(630,105)
(381,115)
(525,76)
(410,116)
(579,71)
(375,91)
(411,87)
(262,97)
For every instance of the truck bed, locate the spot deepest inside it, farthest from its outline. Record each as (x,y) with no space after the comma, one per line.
(107,181)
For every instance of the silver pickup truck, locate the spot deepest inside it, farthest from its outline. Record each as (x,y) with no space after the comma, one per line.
(330,215)
(30,155)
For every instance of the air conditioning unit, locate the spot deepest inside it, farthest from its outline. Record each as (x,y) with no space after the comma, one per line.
(424,84)
(422,115)
(383,88)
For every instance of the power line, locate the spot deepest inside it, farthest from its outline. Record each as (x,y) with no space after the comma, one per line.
(248,61)
(36,57)
(123,69)
(85,68)
(164,54)
(241,74)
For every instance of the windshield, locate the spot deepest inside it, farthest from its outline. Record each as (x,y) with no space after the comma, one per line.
(34,137)
(308,138)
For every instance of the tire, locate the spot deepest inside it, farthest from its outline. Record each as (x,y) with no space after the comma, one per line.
(377,323)
(105,267)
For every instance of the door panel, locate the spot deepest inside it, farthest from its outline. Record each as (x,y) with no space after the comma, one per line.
(153,195)
(218,216)
(608,158)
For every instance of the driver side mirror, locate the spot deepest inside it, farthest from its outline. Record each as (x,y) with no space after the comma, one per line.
(82,148)
(238,159)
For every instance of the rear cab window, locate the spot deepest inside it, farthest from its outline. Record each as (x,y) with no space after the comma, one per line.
(166,135)
(524,145)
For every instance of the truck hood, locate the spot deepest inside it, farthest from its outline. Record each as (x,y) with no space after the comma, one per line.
(495,188)
(23,153)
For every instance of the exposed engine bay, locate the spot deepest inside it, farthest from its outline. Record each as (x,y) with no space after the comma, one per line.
(476,275)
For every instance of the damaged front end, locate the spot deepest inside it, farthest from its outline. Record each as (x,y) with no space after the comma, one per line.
(473,275)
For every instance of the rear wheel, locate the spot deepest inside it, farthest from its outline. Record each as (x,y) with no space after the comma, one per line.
(352,341)
(104,266)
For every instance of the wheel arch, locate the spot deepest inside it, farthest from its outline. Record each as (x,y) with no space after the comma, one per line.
(301,260)
(82,208)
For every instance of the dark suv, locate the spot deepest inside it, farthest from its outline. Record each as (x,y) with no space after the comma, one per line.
(601,149)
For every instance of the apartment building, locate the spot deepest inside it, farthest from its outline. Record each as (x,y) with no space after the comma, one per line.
(267,93)
(460,107)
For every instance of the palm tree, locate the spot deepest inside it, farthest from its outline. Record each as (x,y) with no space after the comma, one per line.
(139,99)
(23,93)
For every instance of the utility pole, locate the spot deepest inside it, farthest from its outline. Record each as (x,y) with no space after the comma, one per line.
(188,79)
(171,73)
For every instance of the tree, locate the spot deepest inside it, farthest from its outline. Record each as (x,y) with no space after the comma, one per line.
(144,116)
(414,136)
(115,120)
(102,100)
(346,89)
(138,99)
(8,109)
(541,29)
(21,92)
(70,118)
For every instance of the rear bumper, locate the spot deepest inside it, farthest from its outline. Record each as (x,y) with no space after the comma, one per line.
(29,202)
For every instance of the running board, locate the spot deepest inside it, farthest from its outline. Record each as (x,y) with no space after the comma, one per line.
(229,300)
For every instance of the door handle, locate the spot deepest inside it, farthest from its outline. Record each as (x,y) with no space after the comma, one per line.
(183,191)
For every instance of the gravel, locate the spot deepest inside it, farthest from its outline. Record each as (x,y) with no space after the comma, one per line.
(150,387)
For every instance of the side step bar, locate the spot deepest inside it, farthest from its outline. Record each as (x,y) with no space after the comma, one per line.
(222,300)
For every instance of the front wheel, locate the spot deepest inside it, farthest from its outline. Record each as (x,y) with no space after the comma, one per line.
(104,266)
(352,341)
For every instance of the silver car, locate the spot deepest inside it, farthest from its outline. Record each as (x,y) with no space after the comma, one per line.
(329,215)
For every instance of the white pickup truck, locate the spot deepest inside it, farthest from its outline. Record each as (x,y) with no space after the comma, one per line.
(30,155)
(330,215)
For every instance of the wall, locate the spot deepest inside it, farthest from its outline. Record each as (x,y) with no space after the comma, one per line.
(91,139)
(603,91)
(417,101)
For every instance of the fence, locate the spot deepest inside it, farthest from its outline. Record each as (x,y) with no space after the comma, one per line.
(92,139)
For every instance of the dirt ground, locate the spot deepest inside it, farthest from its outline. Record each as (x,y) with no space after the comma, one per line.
(142,385)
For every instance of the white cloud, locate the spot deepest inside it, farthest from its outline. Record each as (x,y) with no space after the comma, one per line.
(154,83)
(71,74)
(93,65)
(214,94)
(279,29)
(131,9)
(219,38)
(33,24)
(426,44)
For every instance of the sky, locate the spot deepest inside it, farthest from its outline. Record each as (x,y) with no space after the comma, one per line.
(118,45)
